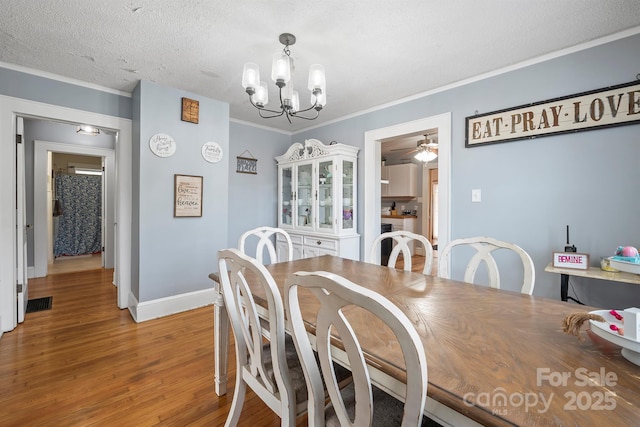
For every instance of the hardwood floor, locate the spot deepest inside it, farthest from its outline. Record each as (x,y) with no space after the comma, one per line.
(417,263)
(85,362)
(75,263)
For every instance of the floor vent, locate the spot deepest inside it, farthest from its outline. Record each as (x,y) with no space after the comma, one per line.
(39,304)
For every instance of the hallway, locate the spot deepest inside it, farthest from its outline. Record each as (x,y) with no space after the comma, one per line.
(75,263)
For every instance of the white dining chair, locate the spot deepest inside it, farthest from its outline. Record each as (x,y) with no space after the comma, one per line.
(402,239)
(265,236)
(484,247)
(359,404)
(272,369)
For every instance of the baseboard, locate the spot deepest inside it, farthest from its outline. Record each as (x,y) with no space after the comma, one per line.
(31,272)
(148,310)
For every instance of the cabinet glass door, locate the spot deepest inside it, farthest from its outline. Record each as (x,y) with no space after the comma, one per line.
(305,196)
(347,195)
(325,195)
(286,195)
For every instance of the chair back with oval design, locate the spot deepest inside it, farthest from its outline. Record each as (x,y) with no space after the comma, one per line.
(264,236)
(402,240)
(484,248)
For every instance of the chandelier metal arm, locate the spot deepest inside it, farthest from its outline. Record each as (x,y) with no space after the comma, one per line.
(310,108)
(284,109)
(306,118)
(277,113)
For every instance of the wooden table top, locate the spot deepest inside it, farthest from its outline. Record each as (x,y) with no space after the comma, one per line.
(498,357)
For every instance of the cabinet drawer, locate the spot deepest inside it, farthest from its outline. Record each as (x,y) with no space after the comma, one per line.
(295,239)
(318,242)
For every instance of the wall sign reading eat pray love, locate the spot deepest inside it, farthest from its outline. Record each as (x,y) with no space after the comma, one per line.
(612,106)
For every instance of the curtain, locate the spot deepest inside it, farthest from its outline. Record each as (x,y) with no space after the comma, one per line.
(79,229)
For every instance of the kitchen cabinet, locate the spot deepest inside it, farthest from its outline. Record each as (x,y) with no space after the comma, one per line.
(317,199)
(403,181)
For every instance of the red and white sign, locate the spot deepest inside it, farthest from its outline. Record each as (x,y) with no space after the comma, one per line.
(571,260)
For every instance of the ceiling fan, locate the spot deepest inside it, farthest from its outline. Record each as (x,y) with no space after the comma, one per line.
(426,149)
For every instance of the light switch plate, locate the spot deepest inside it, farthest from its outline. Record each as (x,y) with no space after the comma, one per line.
(476,195)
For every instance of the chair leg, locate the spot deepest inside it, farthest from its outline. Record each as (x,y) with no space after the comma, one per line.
(288,418)
(237,402)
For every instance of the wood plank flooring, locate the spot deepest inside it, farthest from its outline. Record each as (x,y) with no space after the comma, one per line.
(70,264)
(85,362)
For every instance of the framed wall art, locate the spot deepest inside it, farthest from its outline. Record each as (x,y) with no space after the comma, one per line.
(187,196)
(247,164)
(190,110)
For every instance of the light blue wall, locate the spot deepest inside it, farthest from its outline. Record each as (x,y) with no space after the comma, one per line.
(35,88)
(253,198)
(532,189)
(176,255)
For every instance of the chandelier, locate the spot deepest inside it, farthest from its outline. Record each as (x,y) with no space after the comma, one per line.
(282,74)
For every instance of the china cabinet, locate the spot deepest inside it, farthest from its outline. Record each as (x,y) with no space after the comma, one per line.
(317,199)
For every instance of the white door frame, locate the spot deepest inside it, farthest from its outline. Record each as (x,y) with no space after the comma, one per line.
(372,142)
(21,221)
(41,229)
(10,108)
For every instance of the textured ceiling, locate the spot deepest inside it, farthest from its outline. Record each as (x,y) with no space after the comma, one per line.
(374,52)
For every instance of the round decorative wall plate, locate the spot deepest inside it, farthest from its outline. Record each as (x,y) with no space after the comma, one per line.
(212,152)
(162,145)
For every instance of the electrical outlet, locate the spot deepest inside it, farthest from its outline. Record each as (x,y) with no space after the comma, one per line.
(476,195)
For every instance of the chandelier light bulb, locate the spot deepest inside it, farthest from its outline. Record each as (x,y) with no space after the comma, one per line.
(295,101)
(261,96)
(250,76)
(319,99)
(281,69)
(316,77)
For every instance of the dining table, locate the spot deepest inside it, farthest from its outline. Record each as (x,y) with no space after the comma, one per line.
(494,357)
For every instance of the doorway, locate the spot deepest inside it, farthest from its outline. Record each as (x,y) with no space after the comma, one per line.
(76,224)
(43,207)
(10,109)
(372,162)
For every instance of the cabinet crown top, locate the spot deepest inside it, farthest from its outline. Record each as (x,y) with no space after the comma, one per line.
(314,148)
